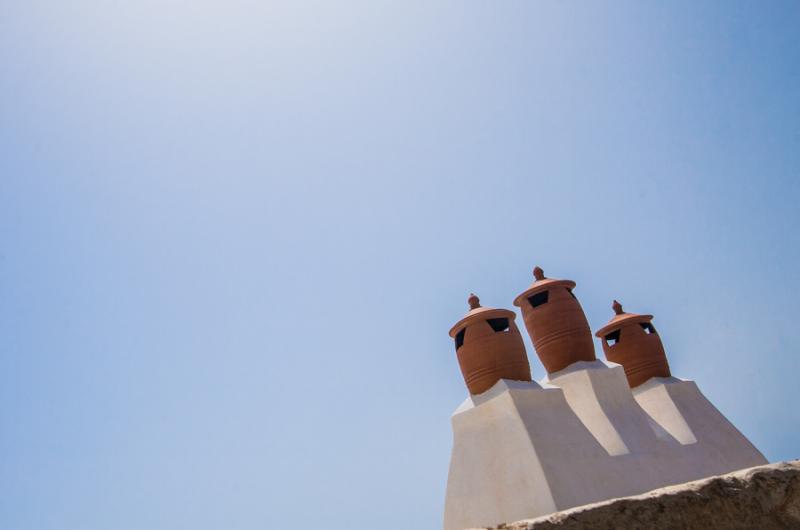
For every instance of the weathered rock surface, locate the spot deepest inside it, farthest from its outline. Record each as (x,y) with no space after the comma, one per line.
(763,498)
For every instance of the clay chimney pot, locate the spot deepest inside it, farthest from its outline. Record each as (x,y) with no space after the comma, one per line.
(631,340)
(489,347)
(556,322)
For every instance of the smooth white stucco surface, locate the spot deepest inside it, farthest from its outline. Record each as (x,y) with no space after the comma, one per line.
(524,449)
(682,410)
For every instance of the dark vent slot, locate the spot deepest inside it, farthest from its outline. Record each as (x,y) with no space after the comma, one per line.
(460,338)
(539,298)
(570,292)
(612,338)
(647,327)
(498,324)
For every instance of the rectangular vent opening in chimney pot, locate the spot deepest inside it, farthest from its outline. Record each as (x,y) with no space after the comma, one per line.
(570,292)
(460,338)
(539,298)
(612,338)
(647,327)
(498,324)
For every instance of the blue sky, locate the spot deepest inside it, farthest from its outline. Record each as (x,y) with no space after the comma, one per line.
(233,236)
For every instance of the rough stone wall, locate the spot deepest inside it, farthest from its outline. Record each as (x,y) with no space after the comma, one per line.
(763,498)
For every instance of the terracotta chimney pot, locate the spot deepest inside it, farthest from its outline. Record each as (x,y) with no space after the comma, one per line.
(631,340)
(555,322)
(489,347)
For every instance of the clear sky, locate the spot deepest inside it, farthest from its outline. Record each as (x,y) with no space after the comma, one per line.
(234,236)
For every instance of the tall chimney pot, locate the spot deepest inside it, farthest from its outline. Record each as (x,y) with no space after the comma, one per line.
(556,322)
(632,341)
(489,347)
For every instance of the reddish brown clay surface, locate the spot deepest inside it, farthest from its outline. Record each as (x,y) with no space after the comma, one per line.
(631,340)
(489,347)
(555,322)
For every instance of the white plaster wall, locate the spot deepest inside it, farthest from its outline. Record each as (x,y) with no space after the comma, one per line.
(598,393)
(495,472)
(682,410)
(520,451)
(524,449)
(644,455)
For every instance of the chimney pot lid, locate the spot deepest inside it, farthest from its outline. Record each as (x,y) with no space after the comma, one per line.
(621,318)
(478,312)
(541,283)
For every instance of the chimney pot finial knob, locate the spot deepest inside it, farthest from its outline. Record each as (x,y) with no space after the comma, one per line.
(538,273)
(474,301)
(617,308)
